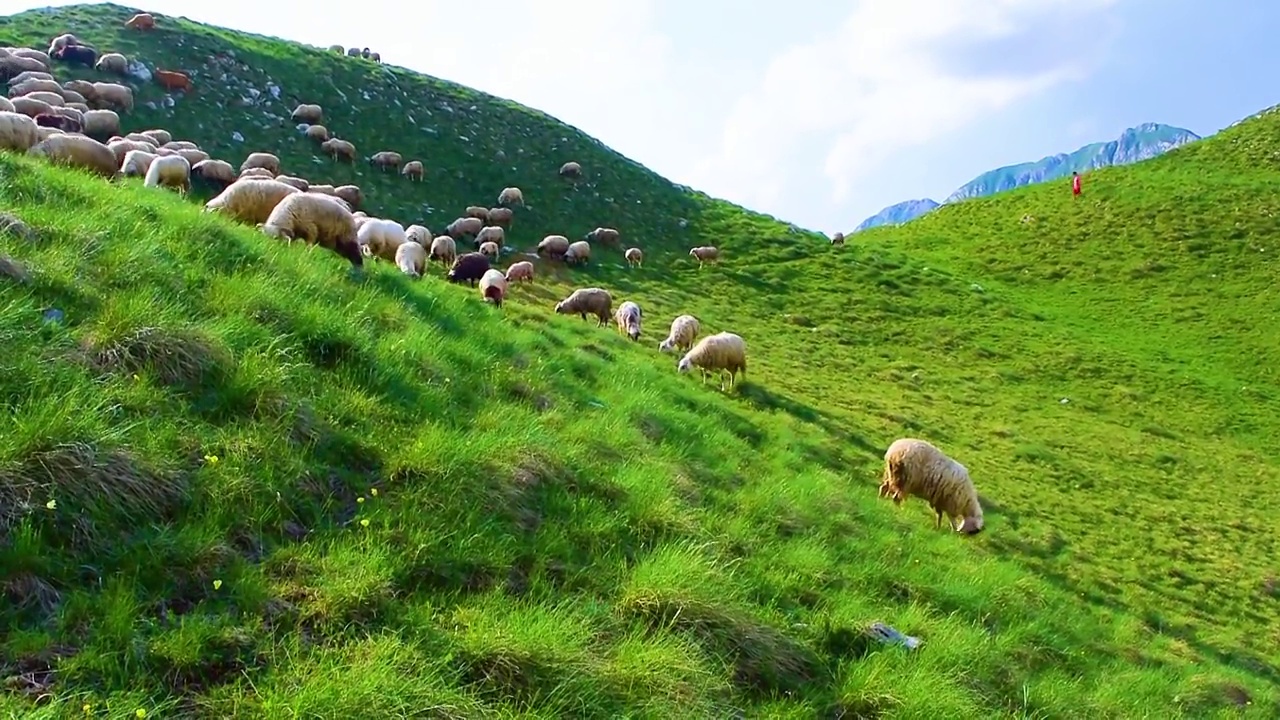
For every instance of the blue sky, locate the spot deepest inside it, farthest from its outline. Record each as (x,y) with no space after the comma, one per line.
(817,111)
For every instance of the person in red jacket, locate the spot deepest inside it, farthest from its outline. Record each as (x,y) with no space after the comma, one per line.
(1075,183)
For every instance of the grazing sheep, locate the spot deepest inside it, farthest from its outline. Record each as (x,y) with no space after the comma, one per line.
(380,238)
(11,63)
(172,80)
(52,99)
(493,286)
(520,272)
(18,132)
(31,107)
(195,156)
(477,212)
(160,136)
(301,183)
(339,149)
(136,163)
(500,216)
(722,352)
(114,63)
(169,171)
(411,258)
(414,170)
(261,160)
(352,194)
(113,94)
(255,172)
(705,253)
(250,201)
(84,88)
(29,75)
(7,106)
(464,227)
(309,114)
(318,133)
(62,41)
(121,148)
(48,132)
(684,330)
(216,172)
(578,253)
(510,196)
(491,233)
(324,189)
(444,249)
(468,268)
(553,247)
(76,55)
(61,122)
(375,57)
(180,145)
(74,98)
(317,220)
(915,467)
(634,256)
(593,300)
(604,236)
(571,170)
(419,234)
(489,250)
(837,239)
(33,84)
(141,21)
(628,319)
(78,151)
(386,159)
(353,52)
(101,124)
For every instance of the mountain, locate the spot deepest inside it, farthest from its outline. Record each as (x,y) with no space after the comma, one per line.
(239,479)
(1134,145)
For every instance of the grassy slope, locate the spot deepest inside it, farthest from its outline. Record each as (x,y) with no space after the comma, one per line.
(564,527)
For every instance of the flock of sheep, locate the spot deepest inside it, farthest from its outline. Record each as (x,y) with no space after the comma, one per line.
(77,124)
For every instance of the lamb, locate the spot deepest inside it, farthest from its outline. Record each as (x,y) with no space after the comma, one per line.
(61,122)
(915,467)
(315,219)
(491,233)
(339,149)
(136,163)
(628,319)
(593,300)
(261,160)
(386,159)
(604,236)
(510,196)
(18,132)
(141,21)
(444,249)
(493,286)
(468,268)
(172,80)
(837,239)
(113,63)
(250,201)
(318,133)
(462,227)
(705,253)
(520,272)
(500,216)
(634,256)
(418,234)
(489,250)
(309,114)
(722,352)
(169,171)
(571,170)
(216,172)
(684,330)
(78,151)
(414,170)
(578,253)
(411,258)
(380,238)
(113,94)
(553,247)
(101,124)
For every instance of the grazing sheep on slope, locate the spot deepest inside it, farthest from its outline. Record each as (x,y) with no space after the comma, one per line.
(419,234)
(411,258)
(113,63)
(468,268)
(915,467)
(722,352)
(102,124)
(380,238)
(628,319)
(136,163)
(491,233)
(520,272)
(76,55)
(414,170)
(339,149)
(706,253)
(493,286)
(553,247)
(477,212)
(463,227)
(578,253)
(78,151)
(837,239)
(634,256)
(261,160)
(571,169)
(489,250)
(510,196)
(18,132)
(684,330)
(250,201)
(309,114)
(216,172)
(594,300)
(500,216)
(603,236)
(444,249)
(315,219)
(169,171)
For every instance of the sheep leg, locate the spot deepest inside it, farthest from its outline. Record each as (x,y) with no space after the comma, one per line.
(937,521)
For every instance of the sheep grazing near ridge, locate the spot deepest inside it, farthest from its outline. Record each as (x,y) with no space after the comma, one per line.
(250,201)
(76,55)
(113,63)
(603,236)
(510,196)
(264,160)
(318,133)
(169,171)
(476,211)
(520,272)
(468,268)
(721,353)
(78,151)
(316,220)
(915,467)
(634,256)
(628,319)
(491,233)
(309,114)
(141,21)
(411,258)
(571,170)
(62,41)
(444,249)
(583,301)
(493,286)
(578,253)
(837,239)
(684,330)
(386,159)
(339,149)
(705,254)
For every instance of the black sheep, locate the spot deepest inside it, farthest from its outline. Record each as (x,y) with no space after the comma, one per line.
(61,122)
(469,268)
(77,55)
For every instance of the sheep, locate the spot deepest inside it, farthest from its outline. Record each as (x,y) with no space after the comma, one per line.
(462,227)
(520,272)
(158,135)
(17,131)
(7,106)
(722,352)
(634,256)
(61,122)
(837,239)
(48,132)
(113,94)
(375,57)
(195,156)
(476,211)
(571,170)
(414,170)
(444,249)
(705,253)
(36,55)
(318,133)
(493,286)
(353,52)
(114,63)
(78,151)
(419,234)
(11,63)
(352,194)
(684,330)
(578,253)
(315,219)
(254,172)
(101,124)
(323,189)
(261,160)
(593,300)
(169,171)
(62,41)
(489,250)
(510,196)
(136,163)
(26,75)
(380,238)
(468,268)
(73,98)
(553,247)
(339,149)
(121,148)
(309,114)
(915,467)
(491,233)
(181,145)
(76,55)
(250,201)
(500,216)
(52,99)
(300,183)
(604,236)
(386,159)
(215,172)
(31,107)
(33,84)
(172,80)
(84,88)
(141,21)
(628,319)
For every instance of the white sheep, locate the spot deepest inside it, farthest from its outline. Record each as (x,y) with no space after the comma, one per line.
(444,249)
(250,201)
(722,352)
(158,135)
(489,250)
(101,124)
(553,246)
(520,272)
(257,160)
(493,286)
(7,106)
(705,254)
(593,300)
(419,234)
(113,94)
(78,151)
(578,253)
(114,63)
(510,196)
(916,467)
(491,233)
(628,319)
(380,238)
(169,171)
(315,219)
(17,132)
(684,330)
(634,256)
(411,258)
(136,163)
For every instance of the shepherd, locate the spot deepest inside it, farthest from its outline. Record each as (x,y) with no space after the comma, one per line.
(1075,183)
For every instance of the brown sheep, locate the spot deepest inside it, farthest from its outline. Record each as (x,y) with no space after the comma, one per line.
(837,239)
(635,257)
(141,21)
(318,133)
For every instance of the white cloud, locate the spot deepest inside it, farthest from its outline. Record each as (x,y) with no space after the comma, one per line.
(884,79)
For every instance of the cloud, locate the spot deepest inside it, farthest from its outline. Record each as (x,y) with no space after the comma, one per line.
(891,75)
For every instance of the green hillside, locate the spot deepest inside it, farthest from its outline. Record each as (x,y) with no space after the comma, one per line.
(238,481)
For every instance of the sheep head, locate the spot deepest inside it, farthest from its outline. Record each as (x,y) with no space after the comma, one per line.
(970,526)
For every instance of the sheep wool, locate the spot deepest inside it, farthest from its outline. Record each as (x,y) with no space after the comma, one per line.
(705,253)
(169,171)
(553,246)
(493,286)
(578,253)
(78,151)
(380,238)
(18,132)
(419,234)
(261,160)
(520,272)
(634,256)
(722,352)
(684,330)
(411,258)
(628,319)
(315,219)
(136,163)
(593,300)
(915,467)
(489,249)
(444,249)
(250,201)
(510,196)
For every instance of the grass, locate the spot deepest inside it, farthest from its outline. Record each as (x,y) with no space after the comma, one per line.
(237,481)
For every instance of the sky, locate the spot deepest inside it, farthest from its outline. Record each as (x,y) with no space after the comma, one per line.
(819,112)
